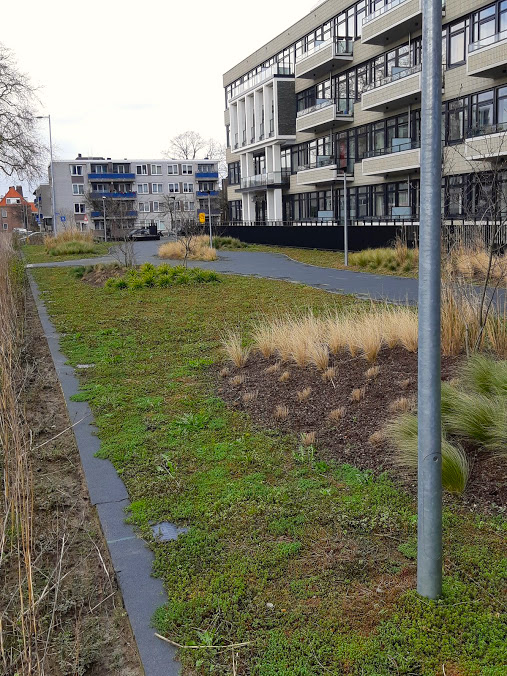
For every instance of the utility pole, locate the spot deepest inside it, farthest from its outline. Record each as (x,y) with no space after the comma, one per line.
(429,550)
(345,219)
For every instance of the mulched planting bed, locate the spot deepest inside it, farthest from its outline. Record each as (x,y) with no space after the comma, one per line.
(348,440)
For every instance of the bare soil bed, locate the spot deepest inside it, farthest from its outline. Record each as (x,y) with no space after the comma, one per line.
(91,633)
(348,440)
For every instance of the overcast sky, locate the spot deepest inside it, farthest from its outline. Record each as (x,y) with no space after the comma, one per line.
(121,78)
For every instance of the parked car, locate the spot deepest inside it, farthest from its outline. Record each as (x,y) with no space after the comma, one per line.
(143,233)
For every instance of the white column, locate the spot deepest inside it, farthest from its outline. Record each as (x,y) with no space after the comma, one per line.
(258,107)
(234,125)
(249,112)
(277,157)
(241,120)
(270,200)
(268,102)
(277,205)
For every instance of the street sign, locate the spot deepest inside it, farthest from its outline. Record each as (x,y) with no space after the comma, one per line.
(202,217)
(85,219)
(63,219)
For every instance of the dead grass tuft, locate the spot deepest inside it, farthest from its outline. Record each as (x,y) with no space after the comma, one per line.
(250,396)
(281,412)
(336,414)
(358,394)
(329,374)
(405,384)
(233,346)
(401,405)
(284,377)
(377,438)
(308,438)
(224,373)
(372,372)
(198,250)
(274,368)
(319,356)
(237,380)
(303,395)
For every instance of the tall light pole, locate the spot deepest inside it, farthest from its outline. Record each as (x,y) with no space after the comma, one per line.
(345,220)
(105,222)
(48,118)
(429,522)
(209,217)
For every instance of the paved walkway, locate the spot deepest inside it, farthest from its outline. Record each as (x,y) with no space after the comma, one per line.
(278,266)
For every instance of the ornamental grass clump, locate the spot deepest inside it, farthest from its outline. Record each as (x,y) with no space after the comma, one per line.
(70,242)
(150,276)
(232,344)
(189,248)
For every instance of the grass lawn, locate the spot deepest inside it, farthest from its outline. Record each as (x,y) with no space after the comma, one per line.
(330,259)
(36,253)
(309,563)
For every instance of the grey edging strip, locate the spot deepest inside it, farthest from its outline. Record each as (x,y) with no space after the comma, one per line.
(132,559)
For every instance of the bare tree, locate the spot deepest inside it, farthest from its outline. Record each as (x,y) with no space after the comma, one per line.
(185,146)
(21,150)
(189,231)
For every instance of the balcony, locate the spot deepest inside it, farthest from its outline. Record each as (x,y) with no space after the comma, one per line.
(114,195)
(326,113)
(403,155)
(272,179)
(111,177)
(100,214)
(207,176)
(486,143)
(204,193)
(325,57)
(401,88)
(392,22)
(488,57)
(264,76)
(325,170)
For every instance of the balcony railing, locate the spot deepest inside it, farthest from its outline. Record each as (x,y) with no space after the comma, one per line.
(486,130)
(259,78)
(319,163)
(394,77)
(207,175)
(342,46)
(111,177)
(389,150)
(204,193)
(265,180)
(486,42)
(382,10)
(114,195)
(344,106)
(100,214)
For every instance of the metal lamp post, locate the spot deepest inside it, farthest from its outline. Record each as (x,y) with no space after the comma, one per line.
(209,216)
(345,221)
(53,215)
(105,222)
(429,523)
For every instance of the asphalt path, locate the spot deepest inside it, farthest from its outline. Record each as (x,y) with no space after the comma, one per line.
(278,266)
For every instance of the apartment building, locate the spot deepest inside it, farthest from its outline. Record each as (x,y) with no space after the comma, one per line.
(42,201)
(334,104)
(131,193)
(15,211)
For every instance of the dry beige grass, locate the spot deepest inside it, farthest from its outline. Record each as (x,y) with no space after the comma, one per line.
(372,372)
(274,368)
(472,263)
(66,236)
(224,373)
(405,384)
(262,335)
(401,405)
(369,334)
(284,377)
(377,438)
(329,374)
(237,380)
(357,394)
(198,250)
(232,344)
(336,414)
(303,395)
(250,396)
(281,412)
(319,356)
(308,438)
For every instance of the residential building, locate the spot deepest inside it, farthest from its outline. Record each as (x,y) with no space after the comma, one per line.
(132,193)
(334,103)
(42,199)
(15,211)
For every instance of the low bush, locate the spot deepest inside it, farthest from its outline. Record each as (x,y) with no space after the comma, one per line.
(195,249)
(228,243)
(162,276)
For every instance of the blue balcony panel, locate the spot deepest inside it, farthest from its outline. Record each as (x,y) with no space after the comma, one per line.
(213,193)
(100,214)
(111,177)
(207,175)
(115,195)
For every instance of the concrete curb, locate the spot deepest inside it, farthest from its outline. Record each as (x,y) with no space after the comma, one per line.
(132,559)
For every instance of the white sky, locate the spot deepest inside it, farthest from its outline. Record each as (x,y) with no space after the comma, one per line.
(121,78)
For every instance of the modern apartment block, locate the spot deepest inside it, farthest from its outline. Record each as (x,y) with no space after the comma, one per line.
(334,103)
(132,193)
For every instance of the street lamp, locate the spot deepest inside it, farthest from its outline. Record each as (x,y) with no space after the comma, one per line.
(48,118)
(209,217)
(105,222)
(345,220)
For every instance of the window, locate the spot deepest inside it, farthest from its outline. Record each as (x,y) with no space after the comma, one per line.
(234,173)
(174,187)
(206,168)
(78,189)
(457,44)
(156,170)
(76,169)
(187,169)
(99,187)
(204,186)
(99,168)
(4,213)
(156,206)
(144,207)
(236,210)
(142,170)
(482,109)
(157,188)
(188,206)
(143,189)
(188,187)
(120,169)
(172,170)
(80,208)
(5,226)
